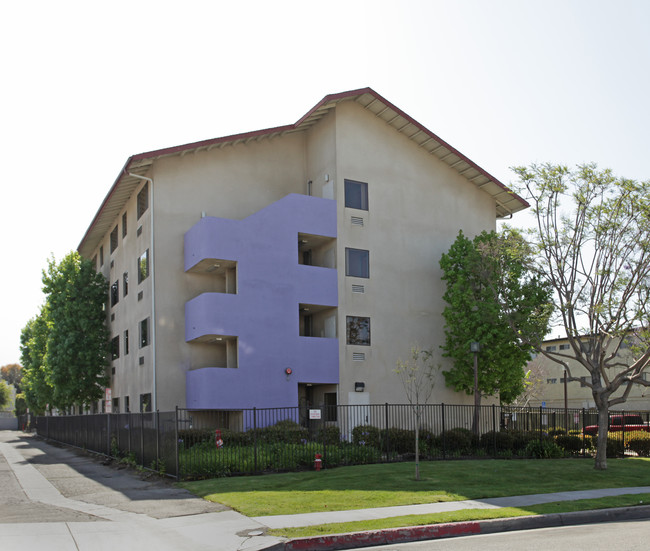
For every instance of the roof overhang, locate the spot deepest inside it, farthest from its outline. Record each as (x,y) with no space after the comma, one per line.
(507,202)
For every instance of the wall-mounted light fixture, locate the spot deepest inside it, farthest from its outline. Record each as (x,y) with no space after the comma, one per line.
(359,387)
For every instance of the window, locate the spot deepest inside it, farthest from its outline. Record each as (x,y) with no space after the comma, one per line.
(358,330)
(101,255)
(551,381)
(115,293)
(115,348)
(143,200)
(145,402)
(357,263)
(330,406)
(564,347)
(125,283)
(126,342)
(124,225)
(116,405)
(356,195)
(551,348)
(144,333)
(143,266)
(583,381)
(114,239)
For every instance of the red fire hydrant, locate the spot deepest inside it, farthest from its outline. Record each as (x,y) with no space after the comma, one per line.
(217,438)
(318,462)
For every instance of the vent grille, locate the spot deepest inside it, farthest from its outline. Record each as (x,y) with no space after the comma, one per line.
(141,360)
(356,220)
(358,356)
(358,289)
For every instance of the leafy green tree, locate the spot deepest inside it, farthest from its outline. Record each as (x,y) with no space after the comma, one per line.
(77,336)
(592,235)
(37,390)
(492,300)
(12,373)
(417,375)
(5,394)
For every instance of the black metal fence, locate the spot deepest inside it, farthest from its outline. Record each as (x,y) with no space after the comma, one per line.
(190,444)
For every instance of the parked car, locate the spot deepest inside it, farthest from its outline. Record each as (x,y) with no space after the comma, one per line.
(618,423)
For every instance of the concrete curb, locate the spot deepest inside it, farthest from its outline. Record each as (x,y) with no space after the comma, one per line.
(454,529)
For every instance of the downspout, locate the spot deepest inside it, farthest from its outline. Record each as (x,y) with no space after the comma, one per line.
(154,404)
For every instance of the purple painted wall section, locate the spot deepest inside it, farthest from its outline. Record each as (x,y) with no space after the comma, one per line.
(264,312)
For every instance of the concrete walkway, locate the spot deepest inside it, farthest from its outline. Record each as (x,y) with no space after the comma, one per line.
(57,499)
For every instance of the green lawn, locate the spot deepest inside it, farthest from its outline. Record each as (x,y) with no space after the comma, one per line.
(385,485)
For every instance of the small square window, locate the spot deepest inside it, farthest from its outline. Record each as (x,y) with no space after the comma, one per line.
(143,266)
(358,330)
(143,200)
(356,195)
(144,333)
(357,263)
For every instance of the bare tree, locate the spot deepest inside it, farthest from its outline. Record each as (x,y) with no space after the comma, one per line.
(533,383)
(593,237)
(417,375)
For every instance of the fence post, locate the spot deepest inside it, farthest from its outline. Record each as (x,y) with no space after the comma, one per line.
(255,439)
(108,434)
(387,437)
(444,444)
(540,424)
(157,427)
(494,429)
(584,438)
(178,467)
(142,438)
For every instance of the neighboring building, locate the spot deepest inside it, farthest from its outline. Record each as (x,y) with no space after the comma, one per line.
(552,388)
(285,266)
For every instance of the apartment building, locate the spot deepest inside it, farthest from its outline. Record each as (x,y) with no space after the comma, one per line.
(553,388)
(286,266)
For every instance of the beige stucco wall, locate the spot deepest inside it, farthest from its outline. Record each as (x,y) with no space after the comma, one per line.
(417,205)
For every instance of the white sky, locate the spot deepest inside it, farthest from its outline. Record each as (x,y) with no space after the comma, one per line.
(86,84)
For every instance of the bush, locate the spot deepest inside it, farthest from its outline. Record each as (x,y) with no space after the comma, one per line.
(366,435)
(499,441)
(399,440)
(331,435)
(570,444)
(639,443)
(458,441)
(191,437)
(544,449)
(556,431)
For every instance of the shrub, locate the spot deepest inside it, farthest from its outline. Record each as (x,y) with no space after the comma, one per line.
(639,443)
(366,435)
(556,431)
(330,435)
(399,440)
(458,440)
(544,449)
(570,444)
(191,437)
(499,441)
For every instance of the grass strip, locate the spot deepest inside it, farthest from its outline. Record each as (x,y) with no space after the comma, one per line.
(384,485)
(463,515)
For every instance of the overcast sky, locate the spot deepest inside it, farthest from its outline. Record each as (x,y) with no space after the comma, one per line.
(84,85)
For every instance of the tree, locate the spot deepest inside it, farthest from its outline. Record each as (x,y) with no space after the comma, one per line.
(5,394)
(481,276)
(77,337)
(592,235)
(12,373)
(534,381)
(37,389)
(417,375)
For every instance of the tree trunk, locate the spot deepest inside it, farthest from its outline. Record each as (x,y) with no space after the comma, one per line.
(601,447)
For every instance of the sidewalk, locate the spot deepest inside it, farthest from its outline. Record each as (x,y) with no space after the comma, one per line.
(55,497)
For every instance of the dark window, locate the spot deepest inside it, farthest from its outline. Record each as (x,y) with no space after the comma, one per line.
(115,293)
(116,405)
(358,330)
(564,347)
(143,266)
(95,262)
(583,381)
(551,348)
(101,255)
(144,333)
(115,348)
(126,405)
(356,195)
(126,342)
(330,406)
(114,239)
(125,283)
(143,200)
(357,263)
(124,225)
(145,402)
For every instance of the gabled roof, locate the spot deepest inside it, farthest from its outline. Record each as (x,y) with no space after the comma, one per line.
(507,202)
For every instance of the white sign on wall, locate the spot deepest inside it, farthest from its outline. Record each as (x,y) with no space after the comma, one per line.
(314,413)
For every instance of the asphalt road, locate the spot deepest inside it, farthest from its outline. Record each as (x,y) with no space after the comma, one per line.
(630,536)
